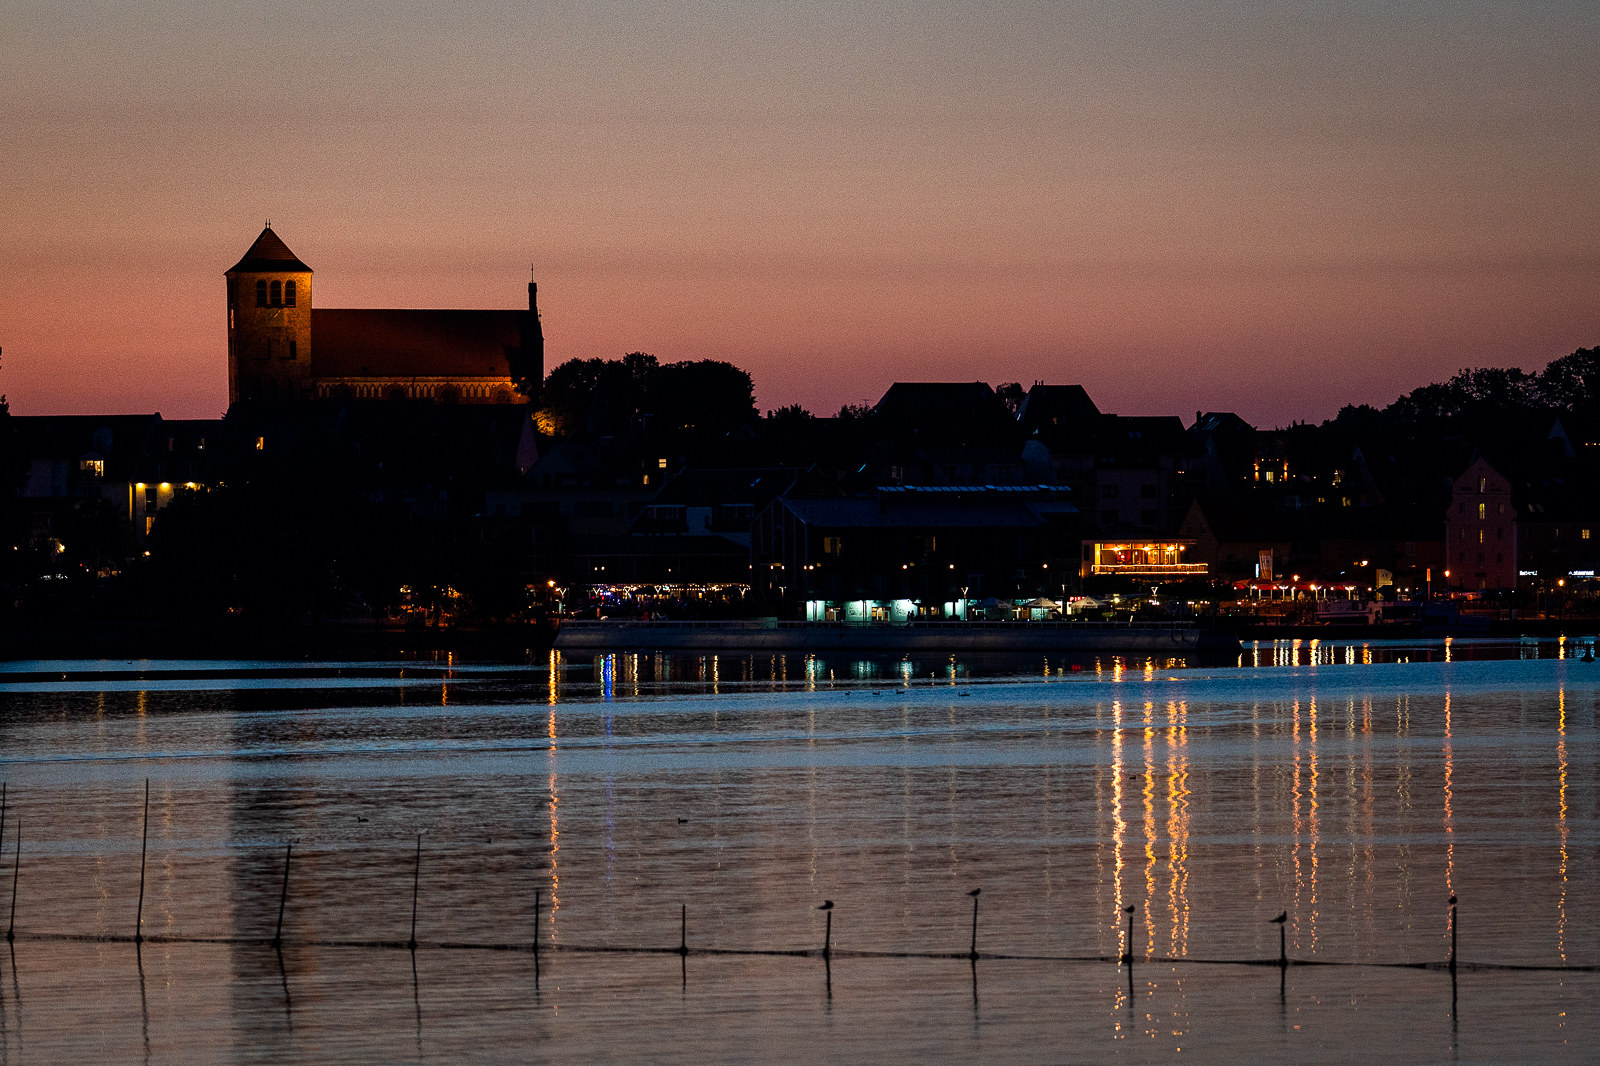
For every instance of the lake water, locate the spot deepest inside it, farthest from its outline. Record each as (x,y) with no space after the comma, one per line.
(1354,786)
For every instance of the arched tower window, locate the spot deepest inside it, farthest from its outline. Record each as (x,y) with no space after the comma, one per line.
(277,294)
(261,294)
(288,294)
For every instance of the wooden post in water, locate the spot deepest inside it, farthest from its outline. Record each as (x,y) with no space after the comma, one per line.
(683,929)
(416,881)
(283,896)
(1452,934)
(16,871)
(827,934)
(144,846)
(1127,956)
(972,952)
(1283,950)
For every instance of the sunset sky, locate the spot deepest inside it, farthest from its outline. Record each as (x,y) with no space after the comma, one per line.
(1274,208)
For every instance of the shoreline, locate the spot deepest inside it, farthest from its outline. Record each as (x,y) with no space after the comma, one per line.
(533,642)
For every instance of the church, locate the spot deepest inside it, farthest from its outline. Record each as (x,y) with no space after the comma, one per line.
(283,348)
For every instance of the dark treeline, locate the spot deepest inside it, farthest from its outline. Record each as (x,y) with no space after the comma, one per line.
(1474,399)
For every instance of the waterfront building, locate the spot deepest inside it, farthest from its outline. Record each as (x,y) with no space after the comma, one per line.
(1481,530)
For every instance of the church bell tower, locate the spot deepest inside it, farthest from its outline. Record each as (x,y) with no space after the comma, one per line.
(269,323)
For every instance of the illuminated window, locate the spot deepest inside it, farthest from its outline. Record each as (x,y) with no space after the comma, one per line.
(1583,534)
(97,467)
(832,545)
(1483,484)
(261,444)
(277,294)
(261,294)
(1483,511)
(661,464)
(1480,536)
(288,294)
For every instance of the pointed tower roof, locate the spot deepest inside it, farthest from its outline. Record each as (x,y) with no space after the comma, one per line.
(269,255)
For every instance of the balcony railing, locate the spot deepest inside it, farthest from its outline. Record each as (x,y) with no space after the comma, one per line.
(1150,569)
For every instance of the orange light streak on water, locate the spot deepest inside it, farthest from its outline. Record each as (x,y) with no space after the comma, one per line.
(1119,824)
(1178,825)
(1295,817)
(1562,827)
(1150,828)
(555,822)
(1314,814)
(1449,808)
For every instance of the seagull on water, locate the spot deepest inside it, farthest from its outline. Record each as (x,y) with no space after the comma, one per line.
(827,905)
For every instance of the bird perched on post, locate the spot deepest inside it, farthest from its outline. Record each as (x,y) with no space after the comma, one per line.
(827,905)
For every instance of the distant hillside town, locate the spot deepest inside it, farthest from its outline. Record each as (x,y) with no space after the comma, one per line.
(417,468)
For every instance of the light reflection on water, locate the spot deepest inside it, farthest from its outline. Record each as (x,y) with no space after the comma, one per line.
(1356,786)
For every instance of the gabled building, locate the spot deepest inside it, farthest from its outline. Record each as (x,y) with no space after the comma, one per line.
(1481,530)
(130,465)
(282,348)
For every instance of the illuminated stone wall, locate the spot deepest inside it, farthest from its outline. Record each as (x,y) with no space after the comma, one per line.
(440,390)
(269,348)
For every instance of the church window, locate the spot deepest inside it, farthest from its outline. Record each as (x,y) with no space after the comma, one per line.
(288,294)
(277,294)
(261,294)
